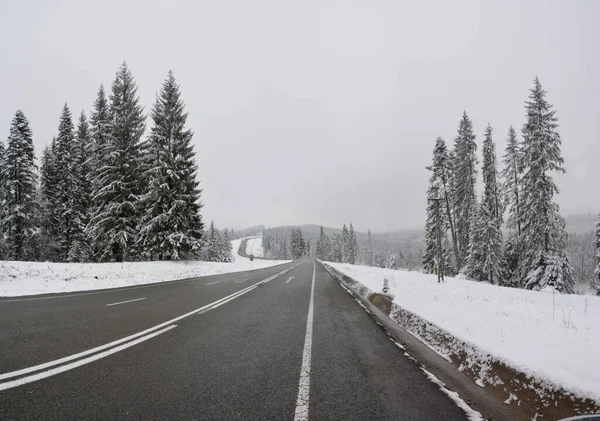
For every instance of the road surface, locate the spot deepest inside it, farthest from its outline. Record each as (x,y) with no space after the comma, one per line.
(291,345)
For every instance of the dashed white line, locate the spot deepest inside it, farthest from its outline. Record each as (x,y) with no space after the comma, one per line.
(301,413)
(291,277)
(212,283)
(242,280)
(125,302)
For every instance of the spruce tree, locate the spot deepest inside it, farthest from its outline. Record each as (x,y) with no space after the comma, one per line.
(213,243)
(441,169)
(116,210)
(226,250)
(353,246)
(345,244)
(69,189)
(3,250)
(512,174)
(20,192)
(491,190)
(49,214)
(369,256)
(465,174)
(171,225)
(543,228)
(597,283)
(477,245)
(430,255)
(337,248)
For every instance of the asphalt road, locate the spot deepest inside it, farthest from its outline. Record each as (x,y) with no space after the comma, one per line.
(178,351)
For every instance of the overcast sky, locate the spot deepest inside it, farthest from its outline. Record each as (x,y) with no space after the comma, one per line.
(318,111)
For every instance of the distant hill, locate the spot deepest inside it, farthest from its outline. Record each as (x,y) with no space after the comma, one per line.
(581,223)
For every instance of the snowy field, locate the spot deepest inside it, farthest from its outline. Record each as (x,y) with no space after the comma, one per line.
(553,337)
(31,278)
(254,246)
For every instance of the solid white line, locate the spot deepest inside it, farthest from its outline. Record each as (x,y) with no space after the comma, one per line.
(211,283)
(291,277)
(127,338)
(67,367)
(301,413)
(125,302)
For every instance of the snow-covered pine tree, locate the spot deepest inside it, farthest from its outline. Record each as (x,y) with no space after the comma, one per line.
(476,256)
(49,210)
(20,192)
(369,254)
(2,200)
(597,283)
(542,226)
(465,175)
(81,249)
(441,169)
(171,225)
(490,233)
(213,243)
(512,174)
(283,250)
(320,252)
(297,244)
(337,248)
(352,246)
(226,249)
(345,244)
(491,189)
(114,221)
(69,189)
(430,253)
(308,248)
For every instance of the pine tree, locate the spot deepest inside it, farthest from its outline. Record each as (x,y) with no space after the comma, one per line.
(345,244)
(226,249)
(49,214)
(69,188)
(3,250)
(20,192)
(476,256)
(353,246)
(543,228)
(512,174)
(597,283)
(369,256)
(337,248)
(297,244)
(283,250)
(171,225)
(491,190)
(213,243)
(442,173)
(430,254)
(323,248)
(465,175)
(308,248)
(113,223)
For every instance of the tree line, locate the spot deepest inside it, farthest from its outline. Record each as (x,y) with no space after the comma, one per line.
(533,253)
(103,192)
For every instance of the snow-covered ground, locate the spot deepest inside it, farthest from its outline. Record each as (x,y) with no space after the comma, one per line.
(254,246)
(553,337)
(31,278)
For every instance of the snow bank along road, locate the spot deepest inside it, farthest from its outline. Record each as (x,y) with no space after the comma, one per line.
(281,343)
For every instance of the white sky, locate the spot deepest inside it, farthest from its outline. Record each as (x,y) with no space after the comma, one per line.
(318,111)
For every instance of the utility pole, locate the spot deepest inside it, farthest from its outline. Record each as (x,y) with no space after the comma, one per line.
(438,230)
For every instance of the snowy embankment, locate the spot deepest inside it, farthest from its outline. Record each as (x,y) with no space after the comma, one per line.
(254,247)
(551,338)
(32,278)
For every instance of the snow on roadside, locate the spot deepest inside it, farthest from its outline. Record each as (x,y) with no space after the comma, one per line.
(254,246)
(32,278)
(552,337)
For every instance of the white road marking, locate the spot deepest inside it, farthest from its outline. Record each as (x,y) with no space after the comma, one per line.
(301,413)
(136,335)
(211,283)
(291,277)
(125,302)
(67,367)
(243,280)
